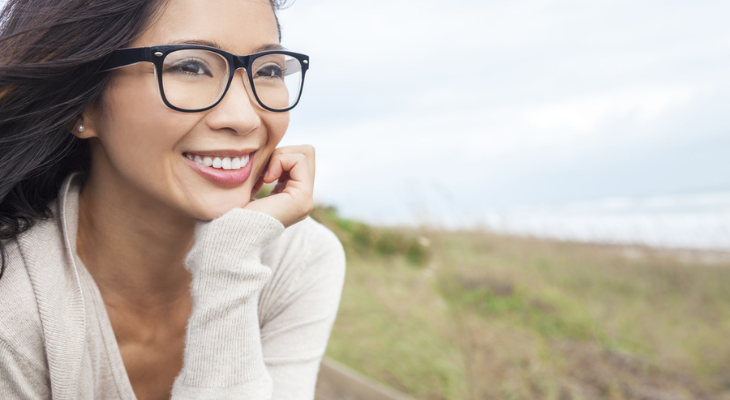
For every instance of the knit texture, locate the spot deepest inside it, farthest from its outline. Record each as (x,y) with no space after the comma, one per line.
(223,340)
(264,300)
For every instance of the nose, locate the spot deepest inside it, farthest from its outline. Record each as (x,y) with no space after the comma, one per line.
(237,112)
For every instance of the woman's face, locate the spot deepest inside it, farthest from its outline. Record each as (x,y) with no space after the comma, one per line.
(142,146)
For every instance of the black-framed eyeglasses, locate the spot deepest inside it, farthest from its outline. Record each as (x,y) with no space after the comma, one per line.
(195,78)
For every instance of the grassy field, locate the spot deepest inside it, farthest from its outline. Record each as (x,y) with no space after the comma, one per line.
(473,315)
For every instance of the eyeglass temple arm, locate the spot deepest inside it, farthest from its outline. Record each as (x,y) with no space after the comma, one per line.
(123,57)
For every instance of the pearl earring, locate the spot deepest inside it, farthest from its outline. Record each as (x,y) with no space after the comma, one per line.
(80,128)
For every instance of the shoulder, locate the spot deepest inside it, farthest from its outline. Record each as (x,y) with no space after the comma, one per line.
(21,336)
(307,260)
(307,244)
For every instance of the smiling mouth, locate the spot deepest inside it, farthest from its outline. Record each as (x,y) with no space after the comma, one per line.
(226,163)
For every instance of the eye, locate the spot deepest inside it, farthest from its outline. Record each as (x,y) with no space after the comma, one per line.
(271,71)
(193,67)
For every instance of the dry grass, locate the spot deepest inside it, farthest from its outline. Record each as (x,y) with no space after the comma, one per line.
(494,317)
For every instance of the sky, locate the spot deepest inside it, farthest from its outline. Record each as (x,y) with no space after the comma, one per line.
(429,110)
(453,113)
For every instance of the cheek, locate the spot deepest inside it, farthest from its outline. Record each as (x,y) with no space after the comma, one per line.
(139,134)
(277,124)
(132,135)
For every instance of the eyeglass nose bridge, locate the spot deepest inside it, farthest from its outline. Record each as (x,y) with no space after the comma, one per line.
(240,62)
(236,63)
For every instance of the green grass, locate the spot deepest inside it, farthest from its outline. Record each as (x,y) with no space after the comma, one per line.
(472,315)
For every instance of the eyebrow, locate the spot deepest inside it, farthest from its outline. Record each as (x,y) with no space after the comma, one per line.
(272,46)
(199,42)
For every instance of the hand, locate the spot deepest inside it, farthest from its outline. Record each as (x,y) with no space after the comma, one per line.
(291,200)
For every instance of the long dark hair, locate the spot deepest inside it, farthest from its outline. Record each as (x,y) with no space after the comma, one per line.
(50,55)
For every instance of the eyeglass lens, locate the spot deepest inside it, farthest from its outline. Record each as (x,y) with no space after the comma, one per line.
(195,78)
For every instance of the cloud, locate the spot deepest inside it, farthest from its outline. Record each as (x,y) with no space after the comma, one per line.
(502,103)
(587,115)
(515,99)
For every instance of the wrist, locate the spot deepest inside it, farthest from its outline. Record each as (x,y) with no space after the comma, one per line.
(238,234)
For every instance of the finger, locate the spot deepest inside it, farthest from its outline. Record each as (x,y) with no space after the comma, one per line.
(307,150)
(274,170)
(265,169)
(295,165)
(287,162)
(257,187)
(291,199)
(281,184)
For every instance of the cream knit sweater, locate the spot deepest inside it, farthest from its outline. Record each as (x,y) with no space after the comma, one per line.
(264,300)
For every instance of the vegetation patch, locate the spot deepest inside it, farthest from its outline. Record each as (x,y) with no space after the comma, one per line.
(375,244)
(484,316)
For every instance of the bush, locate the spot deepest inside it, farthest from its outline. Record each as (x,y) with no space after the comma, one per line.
(360,239)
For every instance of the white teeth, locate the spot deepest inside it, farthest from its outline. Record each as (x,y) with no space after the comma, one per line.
(228,163)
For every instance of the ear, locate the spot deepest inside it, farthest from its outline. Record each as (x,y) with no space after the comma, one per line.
(86,126)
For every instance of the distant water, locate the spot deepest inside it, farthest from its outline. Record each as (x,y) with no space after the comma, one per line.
(697,221)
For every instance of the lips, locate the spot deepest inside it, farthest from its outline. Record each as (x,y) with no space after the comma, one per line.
(227,168)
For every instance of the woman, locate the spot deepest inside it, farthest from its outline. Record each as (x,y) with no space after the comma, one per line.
(152,273)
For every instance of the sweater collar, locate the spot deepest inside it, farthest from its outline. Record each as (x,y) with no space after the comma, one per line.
(49,252)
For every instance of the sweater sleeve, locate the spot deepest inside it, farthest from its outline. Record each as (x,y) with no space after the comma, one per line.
(223,356)
(300,307)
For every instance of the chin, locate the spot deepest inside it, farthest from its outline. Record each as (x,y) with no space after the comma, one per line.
(206,202)
(215,209)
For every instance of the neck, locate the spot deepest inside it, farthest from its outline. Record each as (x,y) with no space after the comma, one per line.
(133,246)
